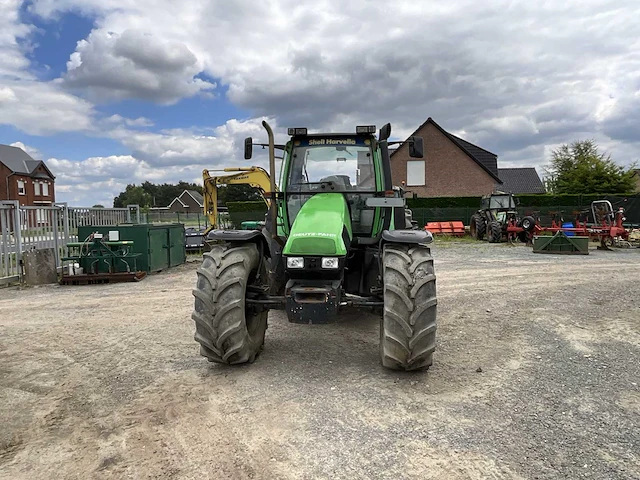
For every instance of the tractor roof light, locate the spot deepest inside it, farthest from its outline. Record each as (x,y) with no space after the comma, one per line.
(297,131)
(366,129)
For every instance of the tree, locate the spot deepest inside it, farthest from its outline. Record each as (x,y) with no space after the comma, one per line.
(152,195)
(133,195)
(98,206)
(238,193)
(579,168)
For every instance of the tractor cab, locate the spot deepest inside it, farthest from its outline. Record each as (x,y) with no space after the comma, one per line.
(499,206)
(344,169)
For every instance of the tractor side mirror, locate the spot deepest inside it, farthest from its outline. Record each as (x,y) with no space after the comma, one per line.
(416,149)
(248,148)
(385,132)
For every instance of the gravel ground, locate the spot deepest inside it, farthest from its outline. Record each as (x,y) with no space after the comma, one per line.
(536,375)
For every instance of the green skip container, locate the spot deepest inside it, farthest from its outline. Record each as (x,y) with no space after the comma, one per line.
(161,246)
(561,244)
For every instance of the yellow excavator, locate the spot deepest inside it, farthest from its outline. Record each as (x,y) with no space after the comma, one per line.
(254,176)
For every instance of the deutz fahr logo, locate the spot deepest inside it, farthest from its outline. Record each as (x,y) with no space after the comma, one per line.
(310,234)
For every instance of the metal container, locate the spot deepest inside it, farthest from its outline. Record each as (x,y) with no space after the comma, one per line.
(560,243)
(161,245)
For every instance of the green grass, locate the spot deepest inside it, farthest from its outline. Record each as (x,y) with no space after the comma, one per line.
(453,239)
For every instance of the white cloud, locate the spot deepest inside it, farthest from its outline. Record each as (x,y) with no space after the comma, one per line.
(35,107)
(134,64)
(546,71)
(158,157)
(39,108)
(129,122)
(13,64)
(220,146)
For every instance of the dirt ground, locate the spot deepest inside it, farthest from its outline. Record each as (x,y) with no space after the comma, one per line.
(536,375)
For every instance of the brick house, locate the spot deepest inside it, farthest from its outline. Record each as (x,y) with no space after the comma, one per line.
(189,201)
(24,179)
(451,166)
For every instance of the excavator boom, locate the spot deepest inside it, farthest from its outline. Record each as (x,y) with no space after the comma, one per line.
(254,176)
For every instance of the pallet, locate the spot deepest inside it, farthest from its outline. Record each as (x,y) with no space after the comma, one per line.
(101,278)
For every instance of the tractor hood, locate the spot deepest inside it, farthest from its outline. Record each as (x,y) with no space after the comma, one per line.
(322,227)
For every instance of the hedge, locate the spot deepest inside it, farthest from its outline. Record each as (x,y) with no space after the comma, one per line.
(461,208)
(538,200)
(246,211)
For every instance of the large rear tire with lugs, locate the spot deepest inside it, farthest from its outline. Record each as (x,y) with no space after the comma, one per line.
(227,330)
(477,227)
(495,232)
(408,325)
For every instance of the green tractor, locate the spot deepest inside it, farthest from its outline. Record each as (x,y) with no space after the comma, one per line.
(498,219)
(337,235)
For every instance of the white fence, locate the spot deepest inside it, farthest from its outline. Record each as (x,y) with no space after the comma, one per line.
(26,228)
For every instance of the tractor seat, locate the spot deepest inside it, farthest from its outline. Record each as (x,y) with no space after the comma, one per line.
(342,181)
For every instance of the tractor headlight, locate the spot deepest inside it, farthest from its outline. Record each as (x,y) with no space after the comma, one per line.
(295,262)
(330,262)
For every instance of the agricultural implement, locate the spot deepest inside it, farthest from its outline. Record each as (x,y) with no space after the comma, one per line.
(100,260)
(337,234)
(607,228)
(499,220)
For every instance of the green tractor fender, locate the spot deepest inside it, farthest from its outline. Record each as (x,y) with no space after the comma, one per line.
(241,236)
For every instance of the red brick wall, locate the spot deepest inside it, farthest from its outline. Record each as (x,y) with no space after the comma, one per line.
(449,171)
(4,173)
(29,197)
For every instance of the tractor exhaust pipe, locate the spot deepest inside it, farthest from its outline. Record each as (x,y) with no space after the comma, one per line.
(272,181)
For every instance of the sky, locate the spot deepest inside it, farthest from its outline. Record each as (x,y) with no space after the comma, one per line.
(112,92)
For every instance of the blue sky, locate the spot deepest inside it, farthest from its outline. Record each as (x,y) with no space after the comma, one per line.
(113,92)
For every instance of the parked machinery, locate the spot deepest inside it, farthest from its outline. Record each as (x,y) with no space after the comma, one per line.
(100,259)
(498,220)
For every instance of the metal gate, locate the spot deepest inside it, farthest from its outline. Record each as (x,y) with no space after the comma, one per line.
(27,228)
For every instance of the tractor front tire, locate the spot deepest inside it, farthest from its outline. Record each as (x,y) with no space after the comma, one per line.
(408,324)
(477,227)
(495,232)
(227,330)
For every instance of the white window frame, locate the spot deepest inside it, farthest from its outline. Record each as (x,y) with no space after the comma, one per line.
(36,188)
(416,173)
(45,189)
(21,187)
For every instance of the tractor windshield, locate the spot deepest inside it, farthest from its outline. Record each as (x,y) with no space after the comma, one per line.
(333,164)
(347,163)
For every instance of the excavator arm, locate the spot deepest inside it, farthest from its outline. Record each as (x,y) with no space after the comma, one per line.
(254,176)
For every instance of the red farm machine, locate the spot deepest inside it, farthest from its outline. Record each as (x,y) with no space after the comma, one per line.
(498,220)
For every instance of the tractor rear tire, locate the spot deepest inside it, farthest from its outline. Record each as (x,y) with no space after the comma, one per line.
(495,232)
(408,324)
(477,227)
(228,331)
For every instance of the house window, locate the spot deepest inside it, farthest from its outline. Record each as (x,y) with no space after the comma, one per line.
(36,188)
(21,190)
(415,173)
(45,189)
